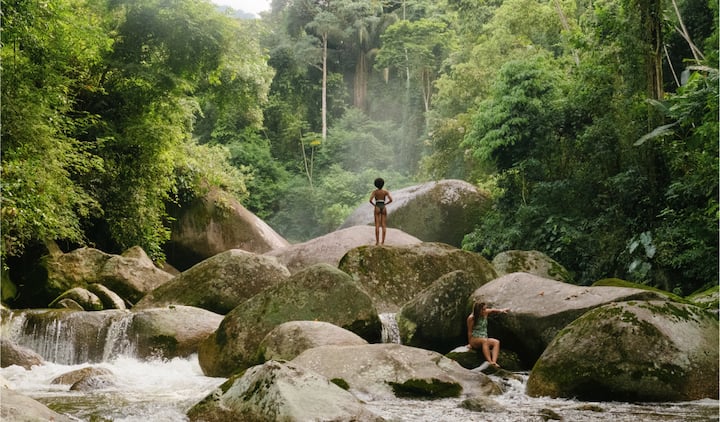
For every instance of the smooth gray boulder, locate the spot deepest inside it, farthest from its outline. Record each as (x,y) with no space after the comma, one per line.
(220,283)
(276,391)
(173,331)
(289,339)
(319,292)
(540,308)
(648,351)
(440,211)
(330,248)
(394,275)
(379,371)
(214,224)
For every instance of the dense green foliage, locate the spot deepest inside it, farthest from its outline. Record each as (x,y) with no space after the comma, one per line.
(593,125)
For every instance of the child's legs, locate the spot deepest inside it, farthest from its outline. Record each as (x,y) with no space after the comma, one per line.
(495,345)
(378,222)
(383,223)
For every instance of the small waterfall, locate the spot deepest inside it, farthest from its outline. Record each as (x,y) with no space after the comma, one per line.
(390,331)
(70,337)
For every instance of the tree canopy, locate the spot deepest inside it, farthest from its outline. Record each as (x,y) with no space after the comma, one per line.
(593,126)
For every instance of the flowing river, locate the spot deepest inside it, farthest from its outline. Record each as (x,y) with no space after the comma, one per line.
(163,391)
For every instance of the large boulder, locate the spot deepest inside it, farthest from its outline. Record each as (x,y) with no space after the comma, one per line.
(213,224)
(319,292)
(130,275)
(540,308)
(331,247)
(87,300)
(384,371)
(174,331)
(442,211)
(77,268)
(289,339)
(276,391)
(220,283)
(394,275)
(436,318)
(632,351)
(532,262)
(12,353)
(17,407)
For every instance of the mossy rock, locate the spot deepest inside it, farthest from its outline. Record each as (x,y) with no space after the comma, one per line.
(616,282)
(531,262)
(632,351)
(420,388)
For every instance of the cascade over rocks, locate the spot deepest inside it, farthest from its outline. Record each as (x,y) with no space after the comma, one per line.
(540,308)
(394,275)
(632,351)
(319,292)
(442,211)
(435,319)
(331,247)
(289,339)
(72,337)
(531,262)
(276,391)
(220,283)
(370,369)
(213,224)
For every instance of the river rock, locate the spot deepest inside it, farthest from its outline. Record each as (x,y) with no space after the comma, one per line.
(87,300)
(12,353)
(17,407)
(435,319)
(540,308)
(331,247)
(532,262)
(394,275)
(319,292)
(442,211)
(109,299)
(632,351)
(213,224)
(277,391)
(174,331)
(132,275)
(220,283)
(474,359)
(384,371)
(72,377)
(289,339)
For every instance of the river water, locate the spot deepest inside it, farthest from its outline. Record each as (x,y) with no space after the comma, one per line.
(163,390)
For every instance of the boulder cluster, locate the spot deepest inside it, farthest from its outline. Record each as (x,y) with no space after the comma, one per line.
(296,329)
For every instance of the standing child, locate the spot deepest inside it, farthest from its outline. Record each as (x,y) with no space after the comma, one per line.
(379,199)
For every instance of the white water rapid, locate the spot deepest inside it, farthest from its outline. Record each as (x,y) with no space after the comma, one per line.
(163,391)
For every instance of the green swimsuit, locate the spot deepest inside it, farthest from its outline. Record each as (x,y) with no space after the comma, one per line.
(480,328)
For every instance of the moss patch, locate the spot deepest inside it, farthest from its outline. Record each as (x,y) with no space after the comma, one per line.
(419,388)
(340,383)
(616,282)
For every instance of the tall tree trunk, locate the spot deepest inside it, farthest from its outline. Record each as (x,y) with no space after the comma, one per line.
(324,87)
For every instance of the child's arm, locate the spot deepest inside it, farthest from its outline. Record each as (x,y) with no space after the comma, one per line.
(388,197)
(372,197)
(497,311)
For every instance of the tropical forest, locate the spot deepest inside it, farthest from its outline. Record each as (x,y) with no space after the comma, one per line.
(591,125)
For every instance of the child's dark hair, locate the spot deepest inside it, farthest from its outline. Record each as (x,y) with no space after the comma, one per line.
(379,183)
